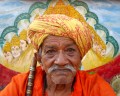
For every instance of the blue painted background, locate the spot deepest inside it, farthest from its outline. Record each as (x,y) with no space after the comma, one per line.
(107,11)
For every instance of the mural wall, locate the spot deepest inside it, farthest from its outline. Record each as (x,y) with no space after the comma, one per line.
(16,50)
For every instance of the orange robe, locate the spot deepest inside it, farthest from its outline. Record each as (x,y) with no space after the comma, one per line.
(85,85)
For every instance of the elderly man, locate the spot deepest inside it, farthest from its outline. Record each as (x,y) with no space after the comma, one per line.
(61,42)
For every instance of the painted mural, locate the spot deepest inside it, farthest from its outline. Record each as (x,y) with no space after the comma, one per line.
(16,50)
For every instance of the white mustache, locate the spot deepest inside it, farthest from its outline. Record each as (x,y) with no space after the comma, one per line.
(56,67)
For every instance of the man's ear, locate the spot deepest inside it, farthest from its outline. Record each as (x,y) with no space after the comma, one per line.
(38,57)
(39,60)
(39,52)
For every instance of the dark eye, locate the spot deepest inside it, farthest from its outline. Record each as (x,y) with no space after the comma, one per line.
(50,52)
(70,51)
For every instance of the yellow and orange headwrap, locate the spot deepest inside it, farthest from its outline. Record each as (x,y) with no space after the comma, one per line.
(60,25)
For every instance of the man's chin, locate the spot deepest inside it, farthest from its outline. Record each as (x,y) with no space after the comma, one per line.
(61,72)
(62,79)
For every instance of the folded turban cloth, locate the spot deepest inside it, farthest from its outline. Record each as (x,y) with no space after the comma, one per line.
(60,25)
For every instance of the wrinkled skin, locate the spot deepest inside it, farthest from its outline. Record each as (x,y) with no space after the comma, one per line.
(60,52)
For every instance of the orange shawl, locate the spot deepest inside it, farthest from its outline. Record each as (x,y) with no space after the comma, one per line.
(85,85)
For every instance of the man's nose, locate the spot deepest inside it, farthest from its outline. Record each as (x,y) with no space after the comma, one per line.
(61,59)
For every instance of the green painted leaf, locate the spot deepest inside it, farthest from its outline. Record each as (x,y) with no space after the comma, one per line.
(21,17)
(80,3)
(8,30)
(91,72)
(92,15)
(48,2)
(101,27)
(1,41)
(37,5)
(115,44)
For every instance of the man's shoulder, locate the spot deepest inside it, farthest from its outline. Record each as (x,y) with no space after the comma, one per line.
(86,73)
(88,76)
(24,76)
(92,83)
(20,78)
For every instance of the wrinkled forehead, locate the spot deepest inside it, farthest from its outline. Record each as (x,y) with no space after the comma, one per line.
(57,39)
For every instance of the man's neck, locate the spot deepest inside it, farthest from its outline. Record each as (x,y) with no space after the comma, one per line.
(58,89)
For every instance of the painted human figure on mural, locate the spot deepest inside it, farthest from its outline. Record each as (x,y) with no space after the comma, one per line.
(23,40)
(26,56)
(16,51)
(23,45)
(15,47)
(7,52)
(103,52)
(8,56)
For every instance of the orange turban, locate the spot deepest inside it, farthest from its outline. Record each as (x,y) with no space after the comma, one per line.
(60,25)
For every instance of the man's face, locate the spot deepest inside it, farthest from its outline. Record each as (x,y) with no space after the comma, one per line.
(16,51)
(60,59)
